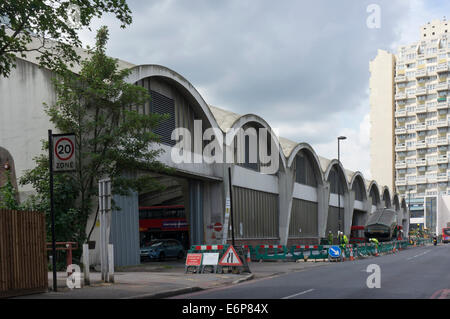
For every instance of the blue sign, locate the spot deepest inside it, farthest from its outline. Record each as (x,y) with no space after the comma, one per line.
(334,251)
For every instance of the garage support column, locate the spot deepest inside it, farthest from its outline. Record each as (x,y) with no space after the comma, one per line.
(286,191)
(323,200)
(349,205)
(367,204)
(226,234)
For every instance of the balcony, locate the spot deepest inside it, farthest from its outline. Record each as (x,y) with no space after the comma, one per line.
(421,162)
(400,113)
(442,177)
(400,78)
(400,182)
(442,104)
(421,126)
(442,160)
(400,96)
(421,180)
(421,109)
(442,68)
(442,141)
(442,86)
(421,91)
(421,73)
(400,130)
(400,164)
(400,147)
(442,123)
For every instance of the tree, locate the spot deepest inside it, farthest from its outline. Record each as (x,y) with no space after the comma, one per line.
(112,138)
(31,25)
(8,194)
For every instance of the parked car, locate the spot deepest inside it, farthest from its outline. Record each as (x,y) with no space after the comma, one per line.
(162,248)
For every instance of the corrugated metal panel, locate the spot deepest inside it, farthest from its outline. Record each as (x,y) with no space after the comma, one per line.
(196,212)
(304,216)
(124,233)
(333,219)
(255,214)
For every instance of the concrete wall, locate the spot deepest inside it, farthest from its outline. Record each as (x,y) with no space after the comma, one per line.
(23,122)
(382,119)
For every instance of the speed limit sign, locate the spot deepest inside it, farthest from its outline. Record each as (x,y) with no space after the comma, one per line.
(63,152)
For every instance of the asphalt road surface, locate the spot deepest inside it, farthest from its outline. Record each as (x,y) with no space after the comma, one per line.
(420,272)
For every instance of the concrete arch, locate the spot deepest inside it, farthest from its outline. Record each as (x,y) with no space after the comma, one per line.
(141,72)
(373,187)
(387,197)
(358,176)
(340,170)
(305,147)
(396,203)
(253,118)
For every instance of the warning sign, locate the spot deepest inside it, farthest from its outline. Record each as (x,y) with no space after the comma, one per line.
(194,259)
(230,258)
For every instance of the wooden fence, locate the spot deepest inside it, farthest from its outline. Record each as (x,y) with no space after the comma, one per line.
(23,260)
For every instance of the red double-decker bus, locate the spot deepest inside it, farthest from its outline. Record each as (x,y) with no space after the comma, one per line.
(445,235)
(163,222)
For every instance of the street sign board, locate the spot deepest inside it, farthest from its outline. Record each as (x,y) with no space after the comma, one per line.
(210,259)
(63,152)
(230,258)
(194,259)
(217,227)
(334,251)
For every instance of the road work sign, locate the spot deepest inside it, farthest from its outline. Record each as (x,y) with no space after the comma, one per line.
(194,260)
(63,152)
(334,251)
(230,258)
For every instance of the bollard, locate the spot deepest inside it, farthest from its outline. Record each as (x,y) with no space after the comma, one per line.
(110,263)
(87,281)
(69,256)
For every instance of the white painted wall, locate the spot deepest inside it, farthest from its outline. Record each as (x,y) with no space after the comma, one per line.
(23,122)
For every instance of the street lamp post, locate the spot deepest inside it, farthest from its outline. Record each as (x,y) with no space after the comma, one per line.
(339,184)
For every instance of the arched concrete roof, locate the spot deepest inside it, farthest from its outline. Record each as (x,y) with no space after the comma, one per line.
(374,184)
(141,72)
(253,118)
(388,193)
(305,147)
(360,176)
(403,204)
(341,171)
(396,202)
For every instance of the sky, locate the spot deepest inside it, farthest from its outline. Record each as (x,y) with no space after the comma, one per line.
(301,65)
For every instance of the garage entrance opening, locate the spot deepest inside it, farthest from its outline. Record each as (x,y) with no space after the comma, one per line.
(173,212)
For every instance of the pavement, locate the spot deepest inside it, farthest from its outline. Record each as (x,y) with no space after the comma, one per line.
(156,280)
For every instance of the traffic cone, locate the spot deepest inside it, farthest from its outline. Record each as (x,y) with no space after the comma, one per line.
(351,254)
(248,256)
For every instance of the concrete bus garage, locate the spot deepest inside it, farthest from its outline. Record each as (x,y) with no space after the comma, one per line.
(298,203)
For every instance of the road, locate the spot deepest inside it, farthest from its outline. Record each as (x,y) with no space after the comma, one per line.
(420,272)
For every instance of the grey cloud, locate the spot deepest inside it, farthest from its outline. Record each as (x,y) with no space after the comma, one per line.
(289,61)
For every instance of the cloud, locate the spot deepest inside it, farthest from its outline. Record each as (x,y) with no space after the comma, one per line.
(302,66)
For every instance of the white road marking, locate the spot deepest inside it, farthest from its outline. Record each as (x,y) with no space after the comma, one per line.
(300,293)
(425,252)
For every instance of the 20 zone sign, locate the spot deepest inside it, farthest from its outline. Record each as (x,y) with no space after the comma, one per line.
(63,153)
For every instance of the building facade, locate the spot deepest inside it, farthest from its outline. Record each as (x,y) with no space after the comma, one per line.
(304,199)
(410,123)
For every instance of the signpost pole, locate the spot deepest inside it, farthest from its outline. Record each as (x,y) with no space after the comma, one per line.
(231,206)
(52,208)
